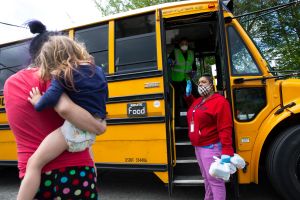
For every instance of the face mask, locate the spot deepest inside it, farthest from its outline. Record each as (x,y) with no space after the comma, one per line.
(184,47)
(204,90)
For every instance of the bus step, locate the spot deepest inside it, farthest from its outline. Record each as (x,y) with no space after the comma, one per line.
(188,180)
(186,169)
(181,128)
(182,138)
(183,112)
(183,149)
(183,143)
(186,160)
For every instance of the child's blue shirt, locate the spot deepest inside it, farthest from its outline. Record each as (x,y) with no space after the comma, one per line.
(91,91)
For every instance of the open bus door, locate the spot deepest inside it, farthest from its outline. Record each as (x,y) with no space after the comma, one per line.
(182,164)
(183,169)
(169,106)
(224,69)
(225,77)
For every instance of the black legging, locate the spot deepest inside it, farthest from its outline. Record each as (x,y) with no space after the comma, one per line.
(179,89)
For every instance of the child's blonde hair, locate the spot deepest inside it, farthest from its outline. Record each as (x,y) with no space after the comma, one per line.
(59,56)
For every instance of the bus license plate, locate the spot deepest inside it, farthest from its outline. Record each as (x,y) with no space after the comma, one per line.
(137,109)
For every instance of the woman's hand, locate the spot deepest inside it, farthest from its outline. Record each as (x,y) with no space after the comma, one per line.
(225,159)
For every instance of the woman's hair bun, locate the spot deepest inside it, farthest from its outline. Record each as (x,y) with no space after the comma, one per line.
(36,26)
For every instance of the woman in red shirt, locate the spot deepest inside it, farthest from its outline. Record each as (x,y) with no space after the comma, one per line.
(210,132)
(70,175)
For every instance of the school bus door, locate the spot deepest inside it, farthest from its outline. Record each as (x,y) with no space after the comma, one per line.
(251,95)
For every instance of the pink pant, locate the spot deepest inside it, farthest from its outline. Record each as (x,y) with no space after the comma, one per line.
(214,188)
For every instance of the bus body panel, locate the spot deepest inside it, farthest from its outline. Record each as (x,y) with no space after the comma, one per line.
(125,151)
(290,90)
(147,141)
(136,87)
(189,9)
(3,118)
(289,95)
(119,110)
(8,145)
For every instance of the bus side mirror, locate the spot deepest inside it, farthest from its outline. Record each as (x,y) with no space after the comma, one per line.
(229,5)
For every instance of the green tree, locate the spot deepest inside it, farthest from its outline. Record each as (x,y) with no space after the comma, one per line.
(277,33)
(116,6)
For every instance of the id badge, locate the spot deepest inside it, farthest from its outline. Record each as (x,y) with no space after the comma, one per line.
(192,126)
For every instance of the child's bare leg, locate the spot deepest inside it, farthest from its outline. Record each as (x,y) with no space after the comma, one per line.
(51,147)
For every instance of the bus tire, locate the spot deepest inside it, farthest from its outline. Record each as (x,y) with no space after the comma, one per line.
(283,163)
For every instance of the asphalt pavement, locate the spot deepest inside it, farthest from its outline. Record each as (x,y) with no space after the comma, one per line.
(138,186)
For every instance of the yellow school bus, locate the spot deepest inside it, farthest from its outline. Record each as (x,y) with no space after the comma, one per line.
(142,135)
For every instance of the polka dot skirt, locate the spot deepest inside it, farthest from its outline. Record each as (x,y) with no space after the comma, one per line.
(71,183)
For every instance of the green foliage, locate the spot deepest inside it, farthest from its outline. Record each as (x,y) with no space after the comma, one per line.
(117,6)
(277,34)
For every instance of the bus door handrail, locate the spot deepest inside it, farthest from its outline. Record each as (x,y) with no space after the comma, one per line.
(173,125)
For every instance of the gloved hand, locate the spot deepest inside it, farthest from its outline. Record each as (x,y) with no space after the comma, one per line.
(238,161)
(170,62)
(188,88)
(225,159)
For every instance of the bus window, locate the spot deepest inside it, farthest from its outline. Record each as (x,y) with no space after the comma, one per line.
(242,63)
(135,44)
(12,59)
(96,41)
(249,102)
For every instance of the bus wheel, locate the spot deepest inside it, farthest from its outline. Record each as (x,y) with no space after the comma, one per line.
(283,163)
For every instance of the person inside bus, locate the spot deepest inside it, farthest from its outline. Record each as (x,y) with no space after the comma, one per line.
(61,178)
(181,61)
(210,132)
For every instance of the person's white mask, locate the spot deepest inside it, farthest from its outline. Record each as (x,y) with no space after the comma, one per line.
(184,47)
(204,90)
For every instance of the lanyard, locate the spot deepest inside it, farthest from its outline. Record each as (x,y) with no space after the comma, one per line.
(196,107)
(192,126)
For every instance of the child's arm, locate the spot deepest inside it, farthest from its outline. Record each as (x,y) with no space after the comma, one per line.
(49,98)
(70,111)
(34,96)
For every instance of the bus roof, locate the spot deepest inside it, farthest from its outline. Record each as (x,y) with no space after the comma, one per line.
(131,13)
(150,8)
(155,7)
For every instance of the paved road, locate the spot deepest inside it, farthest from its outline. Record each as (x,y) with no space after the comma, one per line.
(137,186)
